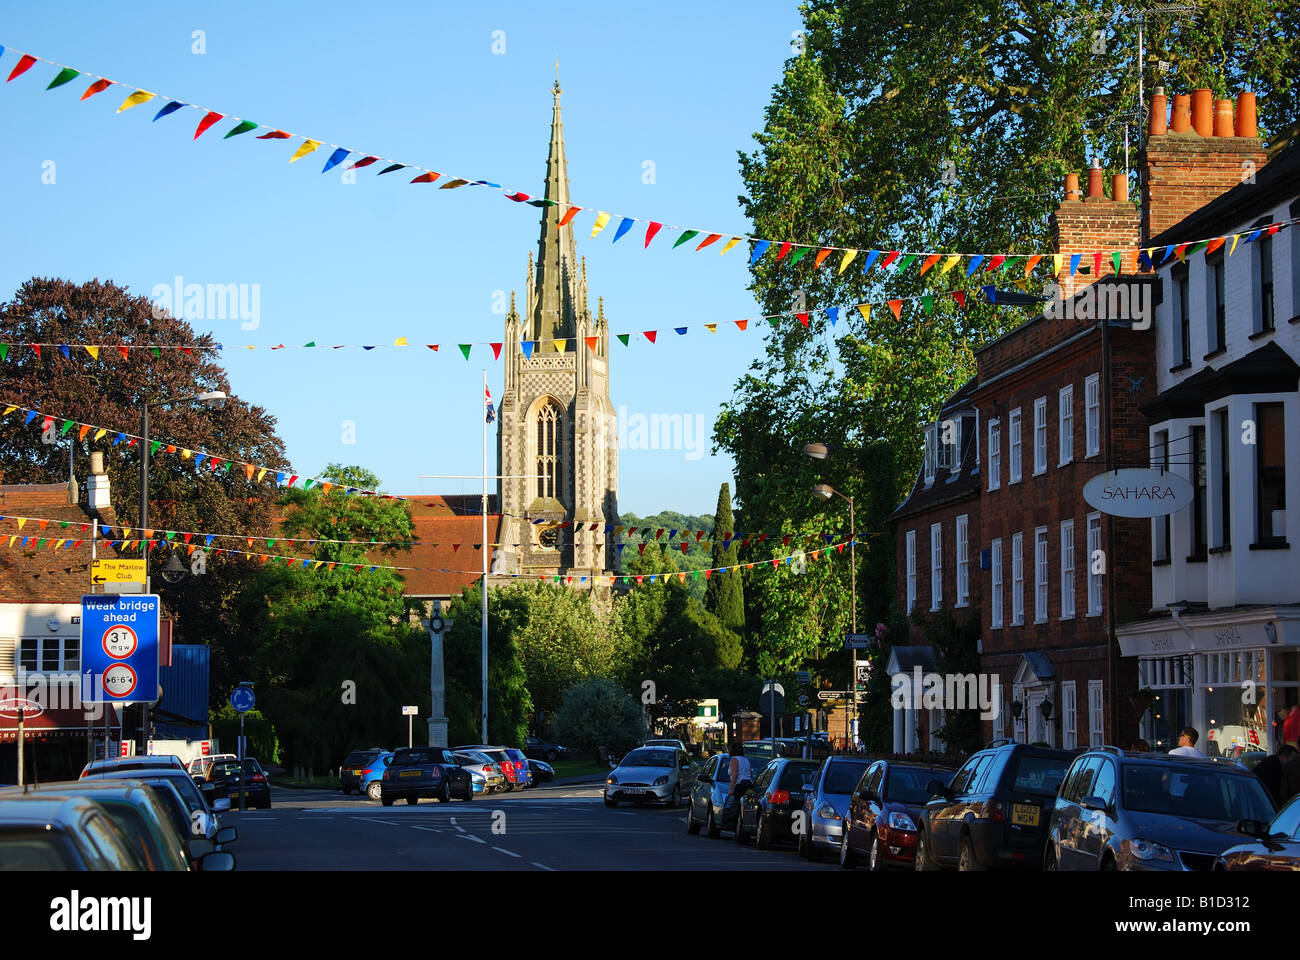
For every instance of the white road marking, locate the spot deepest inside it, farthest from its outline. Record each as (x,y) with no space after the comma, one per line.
(470,836)
(391,823)
(430,829)
(542,866)
(508,853)
(457,825)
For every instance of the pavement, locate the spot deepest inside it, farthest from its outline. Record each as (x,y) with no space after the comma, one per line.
(549,828)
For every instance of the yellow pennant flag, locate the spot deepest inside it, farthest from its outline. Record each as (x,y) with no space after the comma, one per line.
(602,218)
(711,327)
(100,433)
(11,541)
(1235,238)
(250,347)
(8,410)
(22,522)
(865,310)
(126,531)
(730,243)
(260,474)
(93,351)
(135,99)
(952,261)
(400,342)
(185,454)
(560,345)
(1057,260)
(307,147)
(58,544)
(847,259)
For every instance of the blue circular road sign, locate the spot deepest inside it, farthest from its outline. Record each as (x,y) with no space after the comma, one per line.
(241,698)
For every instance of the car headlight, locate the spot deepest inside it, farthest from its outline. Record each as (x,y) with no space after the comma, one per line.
(828,812)
(1147,850)
(612,779)
(901,821)
(661,782)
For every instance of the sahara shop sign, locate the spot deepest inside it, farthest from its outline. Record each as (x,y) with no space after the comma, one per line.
(1138,492)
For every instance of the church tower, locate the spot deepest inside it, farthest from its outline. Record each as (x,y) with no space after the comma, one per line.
(557,442)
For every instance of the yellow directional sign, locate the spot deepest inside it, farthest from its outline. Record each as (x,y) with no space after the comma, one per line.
(117,571)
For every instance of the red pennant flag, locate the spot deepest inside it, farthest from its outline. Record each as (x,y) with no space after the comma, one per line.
(496,351)
(707,573)
(897,307)
(640,579)
(291,480)
(591,343)
(785,248)
(592,528)
(775,561)
(742,324)
(124,353)
(1096,264)
(455,547)
(840,547)
(711,238)
(569,215)
(274,135)
(890,258)
(803,318)
(762,538)
(432,346)
(699,535)
(996,262)
(651,334)
(208,120)
(660,533)
(99,86)
(640,549)
(188,535)
(24,65)
(785,541)
(685,546)
(428,178)
(37,348)
(650,231)
(363,162)
(516,197)
(960,297)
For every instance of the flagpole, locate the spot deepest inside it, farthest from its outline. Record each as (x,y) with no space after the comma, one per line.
(484,552)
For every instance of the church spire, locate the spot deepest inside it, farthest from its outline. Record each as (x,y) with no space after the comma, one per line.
(555,303)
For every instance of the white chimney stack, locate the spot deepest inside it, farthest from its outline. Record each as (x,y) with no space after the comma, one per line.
(97,484)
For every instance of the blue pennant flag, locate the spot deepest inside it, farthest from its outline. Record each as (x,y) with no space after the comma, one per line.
(833,313)
(872,257)
(760,248)
(623,228)
(975,262)
(168,109)
(337,157)
(528,348)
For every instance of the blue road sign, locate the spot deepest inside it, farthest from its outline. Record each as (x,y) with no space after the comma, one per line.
(242,699)
(119,648)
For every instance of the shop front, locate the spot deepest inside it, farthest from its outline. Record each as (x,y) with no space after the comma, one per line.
(1231,674)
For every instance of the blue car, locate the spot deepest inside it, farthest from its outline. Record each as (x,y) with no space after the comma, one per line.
(370,775)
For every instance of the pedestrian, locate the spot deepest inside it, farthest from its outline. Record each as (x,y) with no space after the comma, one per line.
(1290,723)
(1187,738)
(1269,771)
(1140,746)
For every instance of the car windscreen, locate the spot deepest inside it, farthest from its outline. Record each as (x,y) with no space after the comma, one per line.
(796,776)
(408,757)
(1038,774)
(648,758)
(359,758)
(516,755)
(223,768)
(252,766)
(907,784)
(1196,794)
(843,776)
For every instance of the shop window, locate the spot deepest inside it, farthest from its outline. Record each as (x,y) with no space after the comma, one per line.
(1270,474)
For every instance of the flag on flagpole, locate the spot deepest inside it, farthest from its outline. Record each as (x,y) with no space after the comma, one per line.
(490,412)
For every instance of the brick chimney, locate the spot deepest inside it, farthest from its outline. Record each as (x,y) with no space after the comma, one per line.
(1198,154)
(1092,224)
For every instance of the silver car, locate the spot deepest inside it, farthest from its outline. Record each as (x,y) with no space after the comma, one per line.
(708,797)
(651,775)
(825,804)
(485,774)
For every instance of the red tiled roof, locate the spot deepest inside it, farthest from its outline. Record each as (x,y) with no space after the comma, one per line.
(440,524)
(45,575)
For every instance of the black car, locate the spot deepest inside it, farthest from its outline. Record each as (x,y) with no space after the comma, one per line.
(354,764)
(995,811)
(542,772)
(226,776)
(538,749)
(430,772)
(769,805)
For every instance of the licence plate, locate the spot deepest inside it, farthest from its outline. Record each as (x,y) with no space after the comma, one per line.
(634,789)
(1025,814)
(410,773)
(355,773)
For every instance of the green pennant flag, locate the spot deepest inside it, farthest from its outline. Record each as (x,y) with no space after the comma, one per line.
(41,543)
(66,74)
(684,237)
(67,425)
(310,343)
(153,447)
(1008,263)
(1115,258)
(171,534)
(927,302)
(625,579)
(155,351)
(4,350)
(244,127)
(1197,248)
(270,544)
(227,468)
(621,336)
(905,262)
(465,348)
(64,524)
(798,255)
(306,484)
(773,320)
(695,575)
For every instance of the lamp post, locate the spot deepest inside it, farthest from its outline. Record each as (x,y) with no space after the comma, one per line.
(825,492)
(209,398)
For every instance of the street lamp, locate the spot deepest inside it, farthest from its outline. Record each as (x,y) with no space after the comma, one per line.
(825,491)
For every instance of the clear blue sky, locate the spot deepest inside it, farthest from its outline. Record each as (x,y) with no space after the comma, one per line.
(680,84)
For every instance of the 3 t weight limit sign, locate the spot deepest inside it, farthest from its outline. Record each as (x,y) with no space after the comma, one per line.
(120,641)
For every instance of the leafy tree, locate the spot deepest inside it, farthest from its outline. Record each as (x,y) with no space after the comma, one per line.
(510,707)
(724,596)
(598,713)
(111,392)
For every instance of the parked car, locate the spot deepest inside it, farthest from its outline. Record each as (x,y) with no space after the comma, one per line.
(203,814)
(508,764)
(675,744)
(353,764)
(995,810)
(825,804)
(165,761)
(226,776)
(60,833)
(651,775)
(482,769)
(1273,846)
(369,776)
(536,748)
(415,772)
(768,807)
(707,801)
(884,811)
(523,772)
(542,772)
(1150,811)
(199,765)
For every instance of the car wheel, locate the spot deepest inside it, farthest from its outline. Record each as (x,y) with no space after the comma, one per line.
(923,861)
(848,859)
(966,858)
(875,861)
(610,803)
(445,796)
(740,828)
(692,827)
(265,806)
(802,844)
(675,800)
(386,801)
(374,791)
(412,799)
(763,836)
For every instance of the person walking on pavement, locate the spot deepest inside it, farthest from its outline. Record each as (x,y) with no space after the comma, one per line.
(738,768)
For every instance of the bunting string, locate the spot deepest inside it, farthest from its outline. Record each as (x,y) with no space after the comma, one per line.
(790,251)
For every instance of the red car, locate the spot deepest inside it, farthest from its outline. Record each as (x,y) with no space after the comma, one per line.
(884,811)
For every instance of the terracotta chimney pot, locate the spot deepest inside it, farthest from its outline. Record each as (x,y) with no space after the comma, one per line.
(1071,186)
(1095,174)
(1203,111)
(1159,121)
(1119,188)
(1223,118)
(1246,126)
(1182,118)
